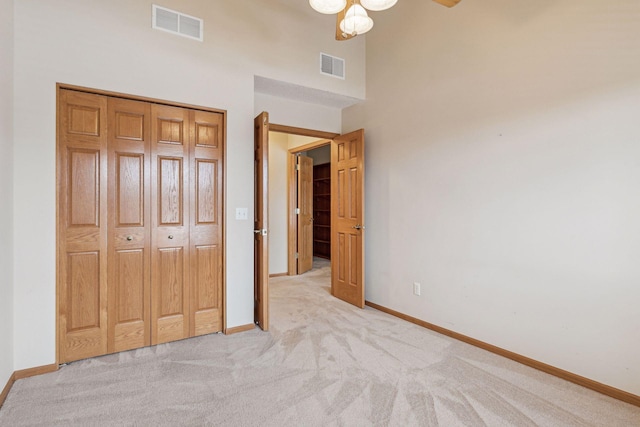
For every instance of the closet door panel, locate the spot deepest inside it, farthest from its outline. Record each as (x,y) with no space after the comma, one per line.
(131,323)
(129,224)
(206,197)
(82,225)
(170,191)
(130,203)
(83,296)
(170,294)
(206,222)
(170,227)
(207,289)
(84,187)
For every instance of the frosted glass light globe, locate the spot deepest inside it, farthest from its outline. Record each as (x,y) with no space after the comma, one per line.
(356,21)
(328,6)
(377,5)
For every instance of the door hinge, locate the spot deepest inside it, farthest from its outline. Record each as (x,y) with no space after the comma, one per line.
(297,211)
(297,255)
(298,167)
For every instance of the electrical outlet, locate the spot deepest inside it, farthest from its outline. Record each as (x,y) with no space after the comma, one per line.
(416,288)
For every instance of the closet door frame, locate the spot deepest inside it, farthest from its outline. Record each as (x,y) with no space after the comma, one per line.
(59,227)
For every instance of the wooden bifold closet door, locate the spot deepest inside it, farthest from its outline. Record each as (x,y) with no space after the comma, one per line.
(140,190)
(129,220)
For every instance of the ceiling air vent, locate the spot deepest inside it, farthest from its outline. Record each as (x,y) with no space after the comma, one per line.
(177,23)
(331,66)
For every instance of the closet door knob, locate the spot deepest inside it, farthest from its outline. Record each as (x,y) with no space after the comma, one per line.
(170,236)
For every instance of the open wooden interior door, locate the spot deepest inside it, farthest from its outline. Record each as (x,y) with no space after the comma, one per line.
(261,245)
(347,218)
(305,214)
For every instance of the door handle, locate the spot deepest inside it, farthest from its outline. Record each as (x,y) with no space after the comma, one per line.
(358,227)
(170,236)
(261,232)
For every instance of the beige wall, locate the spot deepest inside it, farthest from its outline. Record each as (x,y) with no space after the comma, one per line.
(502,174)
(278,241)
(288,112)
(6,191)
(110,46)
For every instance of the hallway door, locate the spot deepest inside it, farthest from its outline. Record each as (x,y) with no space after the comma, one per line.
(261,244)
(347,218)
(305,214)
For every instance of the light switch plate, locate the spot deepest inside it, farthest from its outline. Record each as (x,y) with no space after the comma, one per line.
(242,213)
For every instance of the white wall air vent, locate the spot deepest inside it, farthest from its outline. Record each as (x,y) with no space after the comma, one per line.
(331,66)
(177,23)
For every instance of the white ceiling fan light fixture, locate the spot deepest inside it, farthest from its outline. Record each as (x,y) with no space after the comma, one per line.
(378,5)
(356,21)
(353,20)
(328,7)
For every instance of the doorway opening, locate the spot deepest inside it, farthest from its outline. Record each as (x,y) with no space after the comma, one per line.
(299,200)
(309,212)
(344,192)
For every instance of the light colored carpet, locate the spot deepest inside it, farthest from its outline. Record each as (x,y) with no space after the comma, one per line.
(323,363)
